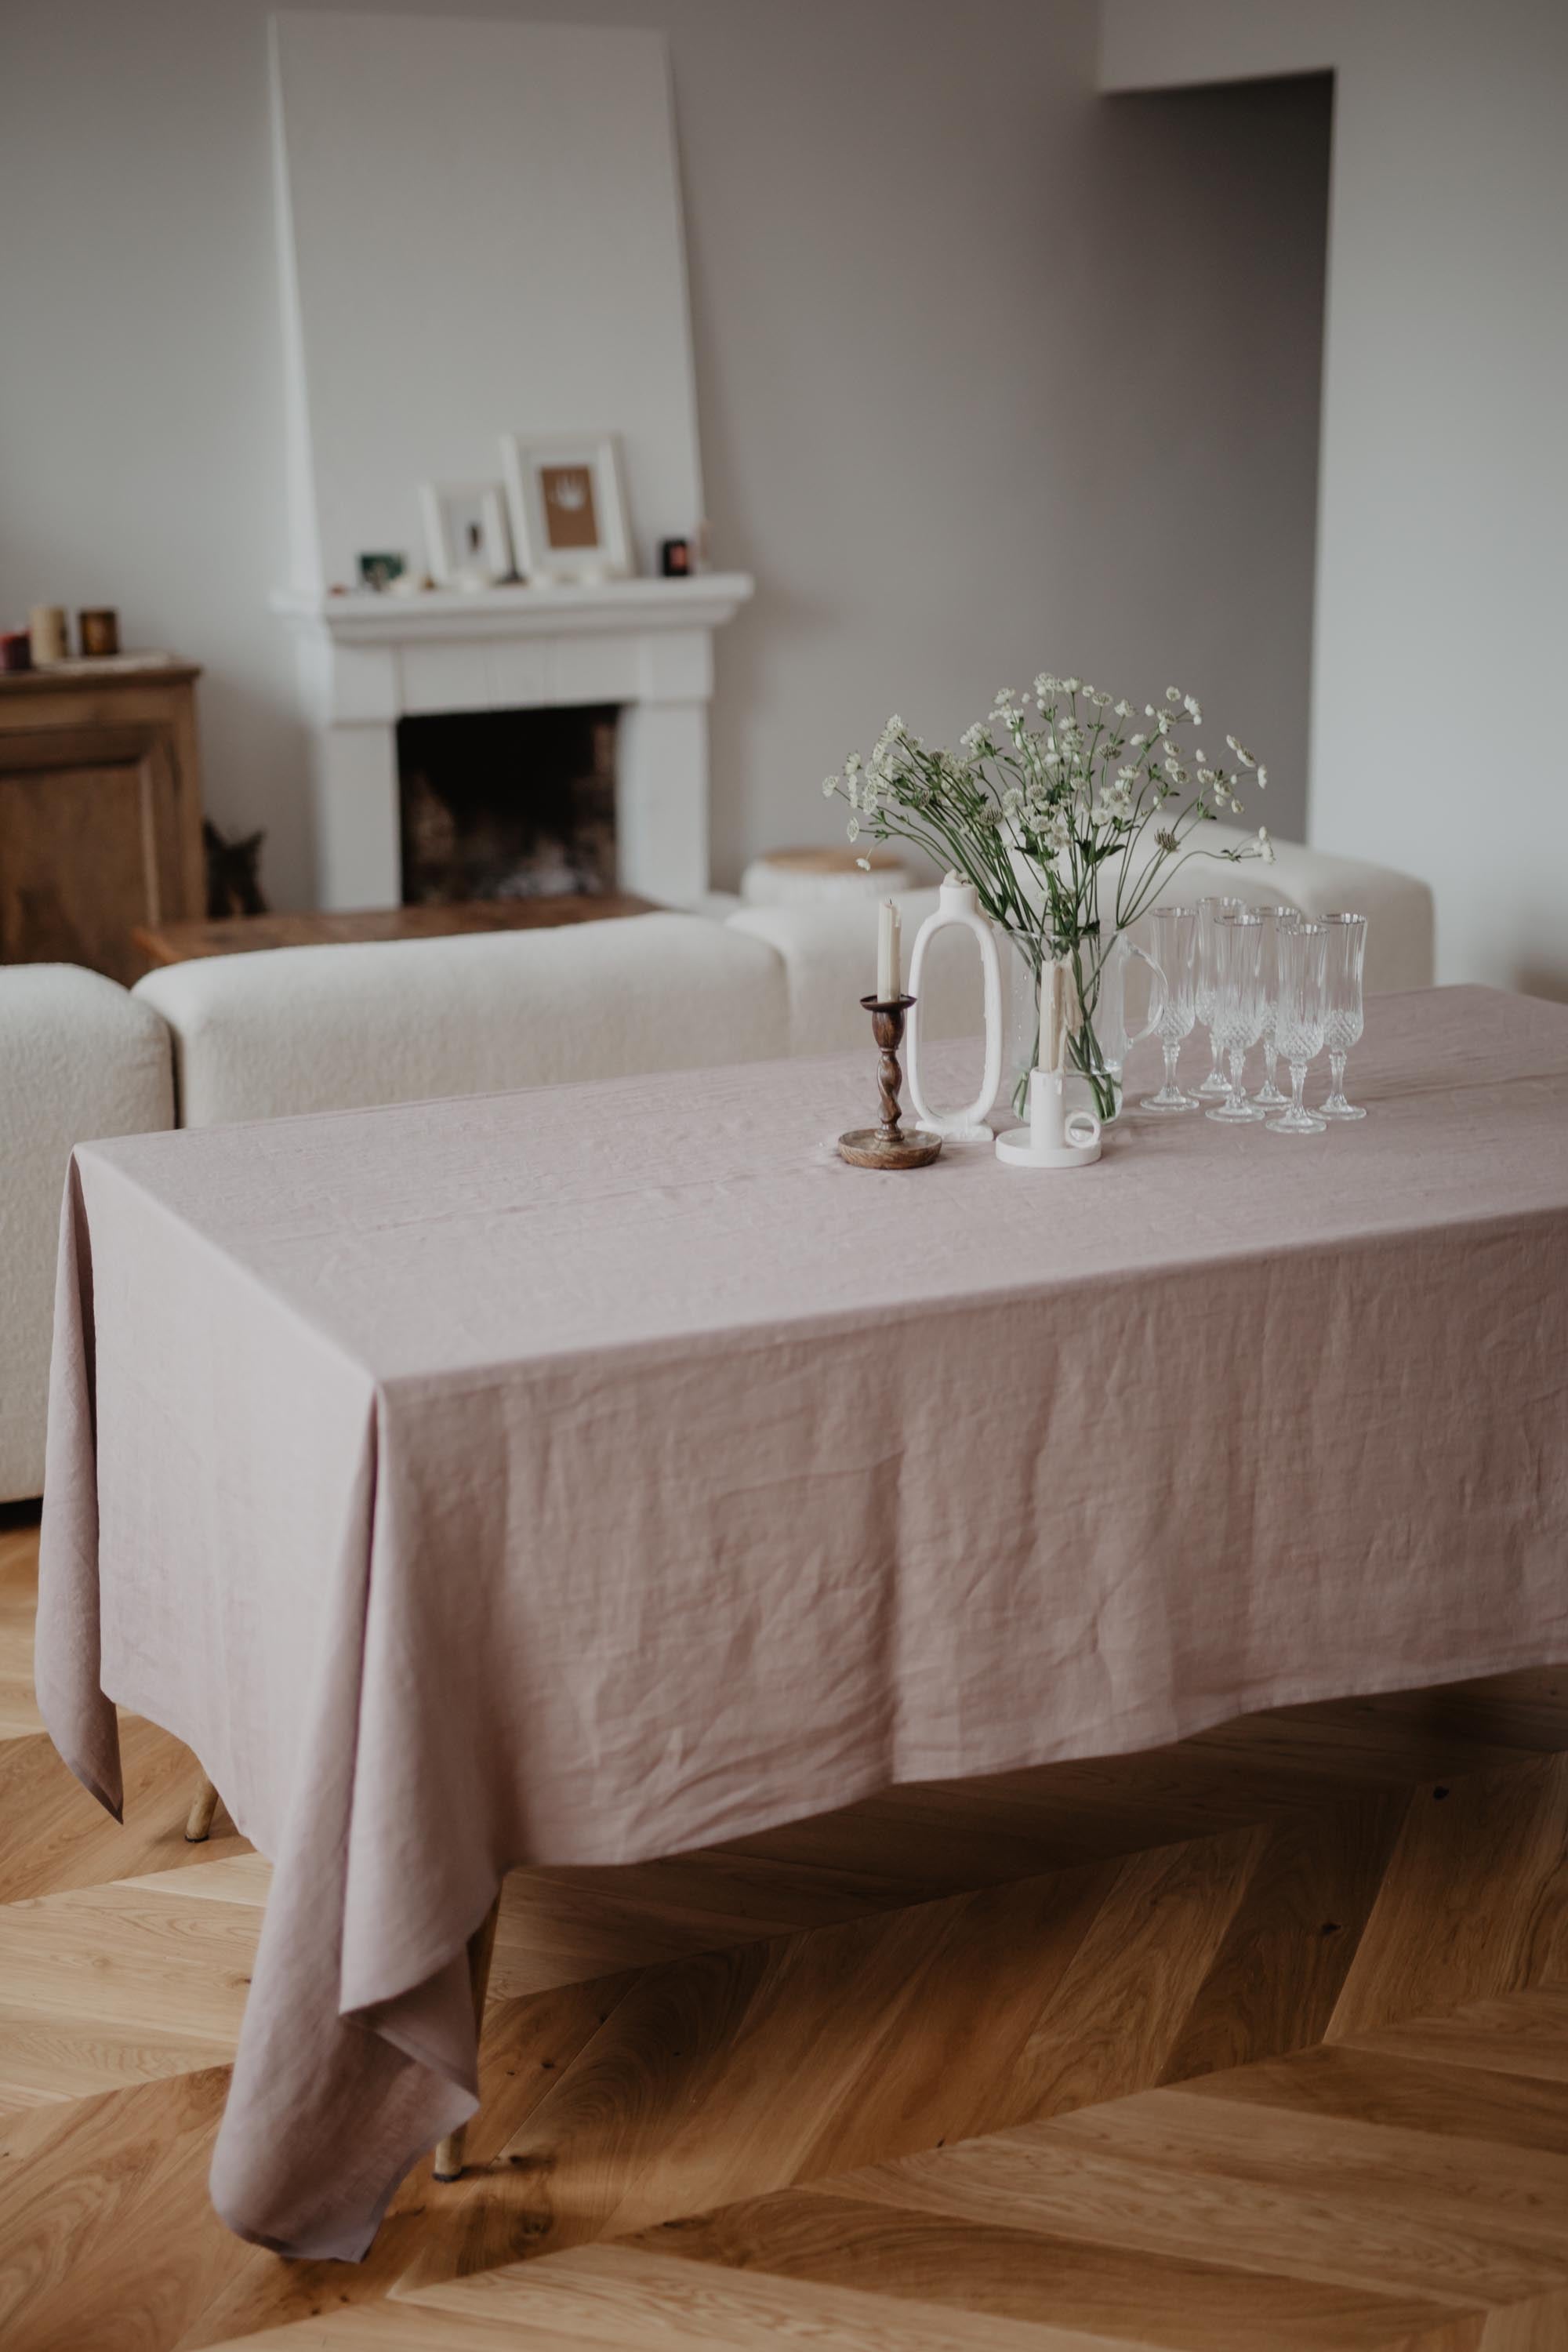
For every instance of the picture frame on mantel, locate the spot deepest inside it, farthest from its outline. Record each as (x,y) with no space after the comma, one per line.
(568,506)
(468,543)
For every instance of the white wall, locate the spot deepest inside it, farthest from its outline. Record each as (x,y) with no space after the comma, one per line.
(989,375)
(426,160)
(1442,614)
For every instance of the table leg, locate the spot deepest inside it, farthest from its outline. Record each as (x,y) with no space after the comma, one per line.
(481,1945)
(199,1819)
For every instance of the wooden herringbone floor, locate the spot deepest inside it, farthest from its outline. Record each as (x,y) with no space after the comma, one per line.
(1258,2042)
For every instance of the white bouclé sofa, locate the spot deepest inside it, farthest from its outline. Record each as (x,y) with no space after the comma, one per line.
(334,1028)
(293,1030)
(79,1059)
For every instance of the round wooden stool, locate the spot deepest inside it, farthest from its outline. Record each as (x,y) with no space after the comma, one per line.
(795,878)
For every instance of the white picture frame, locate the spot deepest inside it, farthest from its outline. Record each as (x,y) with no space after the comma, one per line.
(568,505)
(466,540)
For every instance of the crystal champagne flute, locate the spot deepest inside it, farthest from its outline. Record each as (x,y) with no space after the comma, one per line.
(1299,1022)
(1175,930)
(1210,912)
(1268,1095)
(1238,1003)
(1343,956)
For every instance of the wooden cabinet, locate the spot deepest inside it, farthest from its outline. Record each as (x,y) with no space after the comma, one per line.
(100,810)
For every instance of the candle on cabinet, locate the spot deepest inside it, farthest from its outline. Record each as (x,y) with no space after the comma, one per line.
(889,967)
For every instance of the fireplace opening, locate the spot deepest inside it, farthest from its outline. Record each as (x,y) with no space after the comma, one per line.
(507,805)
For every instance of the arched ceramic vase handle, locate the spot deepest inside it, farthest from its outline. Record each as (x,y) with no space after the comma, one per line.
(958,904)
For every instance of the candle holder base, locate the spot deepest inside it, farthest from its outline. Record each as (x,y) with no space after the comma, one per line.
(1016,1149)
(1054,1137)
(868,1147)
(888,1146)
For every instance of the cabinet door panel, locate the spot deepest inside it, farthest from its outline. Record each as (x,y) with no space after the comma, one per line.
(75,872)
(167,895)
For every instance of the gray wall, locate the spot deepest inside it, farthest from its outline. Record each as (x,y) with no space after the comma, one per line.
(991,374)
(1442,599)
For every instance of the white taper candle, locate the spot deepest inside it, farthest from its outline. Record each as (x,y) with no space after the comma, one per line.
(1051,1022)
(889,960)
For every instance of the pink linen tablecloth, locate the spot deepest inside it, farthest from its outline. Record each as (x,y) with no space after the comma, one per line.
(588,1473)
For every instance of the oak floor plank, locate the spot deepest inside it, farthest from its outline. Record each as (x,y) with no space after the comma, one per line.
(1516,2195)
(127,1957)
(399,2327)
(54,1836)
(625,2296)
(1387,1741)
(1054,2180)
(557,1927)
(714,1884)
(1120,2012)
(1425,1732)
(1458,2336)
(245,1877)
(1171,2300)
(99,2246)
(18,1601)
(1402,2093)
(1527,1708)
(1476,1859)
(1518,2033)
(1285,1953)
(49,2062)
(940,1837)
(1540,2327)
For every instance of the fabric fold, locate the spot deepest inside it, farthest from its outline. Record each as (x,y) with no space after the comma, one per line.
(377,2087)
(67,1675)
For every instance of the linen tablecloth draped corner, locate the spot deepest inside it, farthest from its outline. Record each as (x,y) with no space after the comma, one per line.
(378,2097)
(587,1474)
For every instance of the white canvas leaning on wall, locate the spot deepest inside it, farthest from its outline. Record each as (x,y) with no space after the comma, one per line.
(466,541)
(482,236)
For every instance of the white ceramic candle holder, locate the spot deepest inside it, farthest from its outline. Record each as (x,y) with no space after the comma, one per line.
(1055,1138)
(958,903)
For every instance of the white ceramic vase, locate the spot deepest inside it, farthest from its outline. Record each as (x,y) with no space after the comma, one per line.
(958,905)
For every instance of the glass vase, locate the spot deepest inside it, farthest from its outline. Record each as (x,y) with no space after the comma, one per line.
(1099,1037)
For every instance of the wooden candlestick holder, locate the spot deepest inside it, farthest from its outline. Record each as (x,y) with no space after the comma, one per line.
(888,1146)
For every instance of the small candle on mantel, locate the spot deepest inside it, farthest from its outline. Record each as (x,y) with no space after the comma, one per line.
(889,962)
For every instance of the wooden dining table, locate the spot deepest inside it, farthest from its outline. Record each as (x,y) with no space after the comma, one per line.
(593,1473)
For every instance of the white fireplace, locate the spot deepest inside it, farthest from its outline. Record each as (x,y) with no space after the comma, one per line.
(367,660)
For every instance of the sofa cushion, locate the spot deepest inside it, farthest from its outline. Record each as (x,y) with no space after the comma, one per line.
(829,955)
(1398,909)
(339,1028)
(79,1060)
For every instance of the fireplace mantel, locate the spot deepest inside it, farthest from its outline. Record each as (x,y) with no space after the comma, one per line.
(367,617)
(368,659)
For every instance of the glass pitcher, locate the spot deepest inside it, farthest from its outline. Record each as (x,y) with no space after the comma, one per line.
(1098,1042)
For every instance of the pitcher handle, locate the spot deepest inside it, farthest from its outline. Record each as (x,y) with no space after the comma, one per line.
(1158,994)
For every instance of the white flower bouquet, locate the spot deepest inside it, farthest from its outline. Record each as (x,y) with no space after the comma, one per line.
(1065,819)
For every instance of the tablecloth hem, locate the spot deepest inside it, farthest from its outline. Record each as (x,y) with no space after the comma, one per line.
(114,1807)
(1103,1739)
